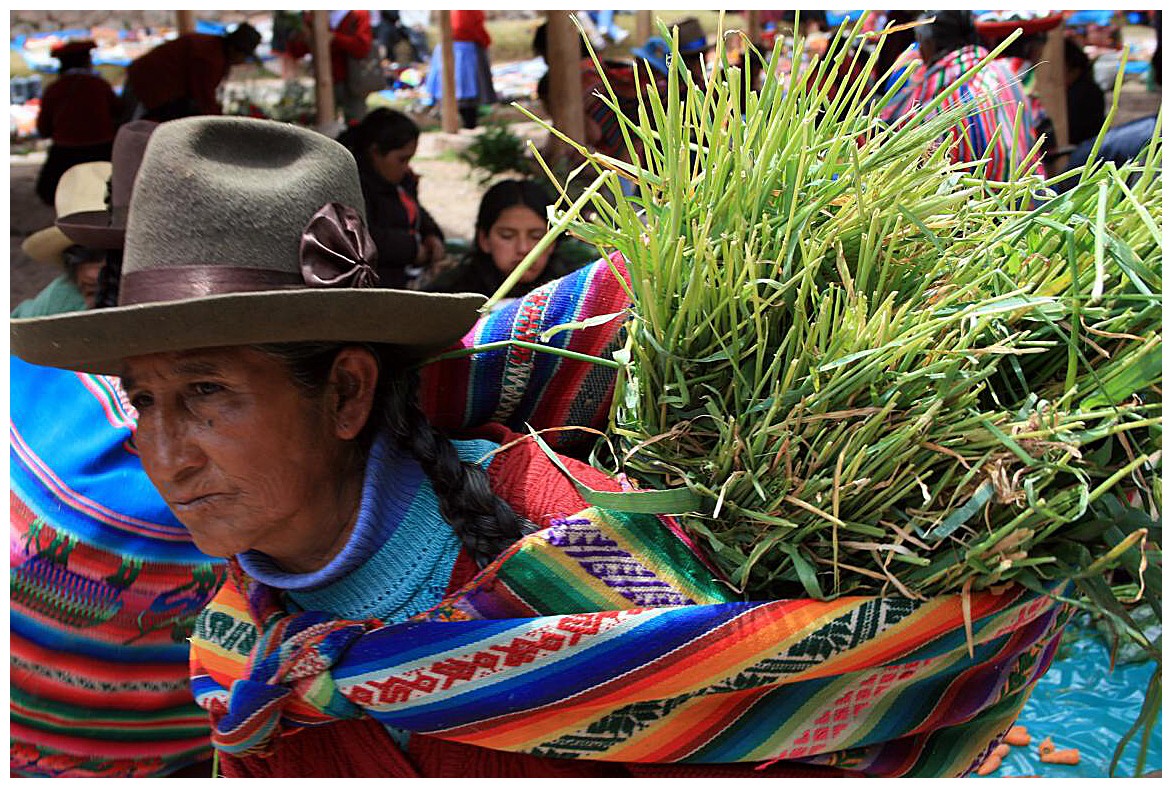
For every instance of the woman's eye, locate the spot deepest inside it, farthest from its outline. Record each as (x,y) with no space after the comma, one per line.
(205,389)
(140,401)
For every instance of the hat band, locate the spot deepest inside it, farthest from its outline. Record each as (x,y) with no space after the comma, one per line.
(198,281)
(695,43)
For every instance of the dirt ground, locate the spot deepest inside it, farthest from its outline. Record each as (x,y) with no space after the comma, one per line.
(448,189)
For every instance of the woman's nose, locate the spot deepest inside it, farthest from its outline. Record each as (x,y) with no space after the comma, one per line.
(168,449)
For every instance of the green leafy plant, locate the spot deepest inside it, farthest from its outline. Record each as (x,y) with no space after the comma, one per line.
(497,150)
(867,369)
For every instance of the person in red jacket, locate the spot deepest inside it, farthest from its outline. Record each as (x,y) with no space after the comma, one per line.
(470,42)
(79,113)
(179,77)
(350,37)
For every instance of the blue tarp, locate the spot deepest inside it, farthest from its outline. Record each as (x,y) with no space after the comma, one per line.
(835,18)
(1082,703)
(1079,18)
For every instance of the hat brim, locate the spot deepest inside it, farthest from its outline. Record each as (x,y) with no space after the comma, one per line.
(47,246)
(92,229)
(96,341)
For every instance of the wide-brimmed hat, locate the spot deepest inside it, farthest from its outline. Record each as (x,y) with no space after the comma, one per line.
(244,231)
(655,51)
(82,188)
(104,227)
(692,37)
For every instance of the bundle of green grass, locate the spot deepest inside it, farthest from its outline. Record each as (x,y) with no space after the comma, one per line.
(871,370)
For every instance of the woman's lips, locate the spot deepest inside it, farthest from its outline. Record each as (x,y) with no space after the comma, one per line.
(195,503)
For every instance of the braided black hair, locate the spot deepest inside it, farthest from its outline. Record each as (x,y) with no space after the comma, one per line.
(485,524)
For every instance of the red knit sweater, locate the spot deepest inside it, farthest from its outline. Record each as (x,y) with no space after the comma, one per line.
(190,66)
(469,26)
(352,37)
(78,110)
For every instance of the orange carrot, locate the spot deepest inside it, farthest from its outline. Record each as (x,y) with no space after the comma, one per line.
(1001,750)
(1018,736)
(1045,748)
(1068,757)
(989,766)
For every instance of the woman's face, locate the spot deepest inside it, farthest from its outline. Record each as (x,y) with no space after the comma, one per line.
(393,164)
(87,281)
(515,232)
(242,456)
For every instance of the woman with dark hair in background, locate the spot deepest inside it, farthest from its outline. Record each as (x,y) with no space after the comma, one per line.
(510,222)
(406,236)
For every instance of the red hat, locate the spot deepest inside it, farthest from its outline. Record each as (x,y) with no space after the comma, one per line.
(71,48)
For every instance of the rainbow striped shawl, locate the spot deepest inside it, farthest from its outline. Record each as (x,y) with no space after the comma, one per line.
(603,636)
(517,386)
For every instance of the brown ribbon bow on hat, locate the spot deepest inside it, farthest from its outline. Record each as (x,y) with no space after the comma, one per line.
(337,250)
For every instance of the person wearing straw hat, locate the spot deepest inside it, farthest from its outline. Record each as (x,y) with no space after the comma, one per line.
(105,227)
(105,582)
(276,397)
(81,188)
(79,113)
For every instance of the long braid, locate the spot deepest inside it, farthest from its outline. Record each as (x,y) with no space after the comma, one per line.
(485,524)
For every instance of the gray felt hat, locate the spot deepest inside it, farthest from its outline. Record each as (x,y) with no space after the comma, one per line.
(244,231)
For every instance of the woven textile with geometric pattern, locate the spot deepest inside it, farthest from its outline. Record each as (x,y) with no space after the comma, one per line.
(604,636)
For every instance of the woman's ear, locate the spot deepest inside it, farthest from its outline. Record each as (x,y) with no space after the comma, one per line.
(482,241)
(353,379)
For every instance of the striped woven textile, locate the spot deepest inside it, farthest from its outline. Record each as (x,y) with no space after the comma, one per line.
(517,386)
(105,586)
(603,637)
(994,94)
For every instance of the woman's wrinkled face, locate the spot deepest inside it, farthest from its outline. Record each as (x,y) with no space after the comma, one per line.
(515,232)
(394,164)
(244,457)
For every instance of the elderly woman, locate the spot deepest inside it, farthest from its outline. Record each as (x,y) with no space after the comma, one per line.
(278,417)
(276,401)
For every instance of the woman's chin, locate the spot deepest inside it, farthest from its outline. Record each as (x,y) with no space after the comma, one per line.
(216,548)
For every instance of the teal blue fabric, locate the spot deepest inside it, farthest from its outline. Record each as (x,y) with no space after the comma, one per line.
(58,296)
(1082,703)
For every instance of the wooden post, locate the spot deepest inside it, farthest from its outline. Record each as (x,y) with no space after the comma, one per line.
(642,27)
(323,77)
(185,21)
(565,80)
(753,26)
(1051,86)
(449,112)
